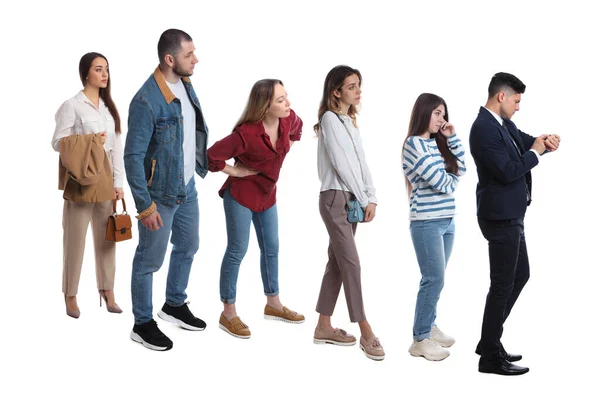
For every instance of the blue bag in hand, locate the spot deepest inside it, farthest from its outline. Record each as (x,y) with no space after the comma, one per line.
(354,212)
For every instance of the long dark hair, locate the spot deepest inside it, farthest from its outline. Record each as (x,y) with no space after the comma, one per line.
(419,124)
(258,101)
(84,68)
(334,81)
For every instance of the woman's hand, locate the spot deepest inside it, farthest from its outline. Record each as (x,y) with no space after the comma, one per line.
(447,129)
(119,193)
(239,170)
(370,212)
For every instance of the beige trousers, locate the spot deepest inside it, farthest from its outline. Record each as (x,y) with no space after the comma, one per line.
(76,219)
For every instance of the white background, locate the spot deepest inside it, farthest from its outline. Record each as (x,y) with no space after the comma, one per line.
(50,361)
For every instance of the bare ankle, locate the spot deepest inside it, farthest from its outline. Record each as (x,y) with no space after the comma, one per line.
(324,323)
(274,302)
(365,330)
(229,311)
(71,301)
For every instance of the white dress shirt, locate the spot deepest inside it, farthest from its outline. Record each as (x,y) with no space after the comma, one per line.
(337,160)
(79,116)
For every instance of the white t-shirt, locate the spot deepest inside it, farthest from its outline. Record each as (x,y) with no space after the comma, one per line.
(189,129)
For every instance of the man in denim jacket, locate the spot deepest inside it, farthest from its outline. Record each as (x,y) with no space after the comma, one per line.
(166,142)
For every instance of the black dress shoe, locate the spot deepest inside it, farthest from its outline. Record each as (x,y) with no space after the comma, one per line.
(511,357)
(508,356)
(501,366)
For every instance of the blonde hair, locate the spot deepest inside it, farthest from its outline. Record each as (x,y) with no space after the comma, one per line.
(258,101)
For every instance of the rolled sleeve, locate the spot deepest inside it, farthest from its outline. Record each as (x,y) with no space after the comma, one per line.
(295,127)
(225,149)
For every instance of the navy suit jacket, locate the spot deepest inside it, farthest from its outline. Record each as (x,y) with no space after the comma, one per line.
(502,171)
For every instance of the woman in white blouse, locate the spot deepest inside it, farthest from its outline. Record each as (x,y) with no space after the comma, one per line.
(344,176)
(91,114)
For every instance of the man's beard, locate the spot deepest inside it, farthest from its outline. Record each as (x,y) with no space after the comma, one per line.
(179,71)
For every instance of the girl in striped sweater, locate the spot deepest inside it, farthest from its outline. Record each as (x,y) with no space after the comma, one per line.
(432,159)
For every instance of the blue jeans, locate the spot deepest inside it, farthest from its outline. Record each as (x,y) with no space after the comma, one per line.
(238,220)
(180,223)
(433,240)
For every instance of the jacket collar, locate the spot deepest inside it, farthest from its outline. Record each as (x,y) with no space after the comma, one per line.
(494,115)
(504,131)
(164,87)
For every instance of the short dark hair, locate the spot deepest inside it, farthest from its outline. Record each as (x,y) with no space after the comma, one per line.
(170,43)
(502,81)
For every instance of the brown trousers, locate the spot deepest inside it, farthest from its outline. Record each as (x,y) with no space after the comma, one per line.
(76,219)
(343,266)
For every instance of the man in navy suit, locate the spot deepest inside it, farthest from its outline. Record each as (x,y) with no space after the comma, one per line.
(504,157)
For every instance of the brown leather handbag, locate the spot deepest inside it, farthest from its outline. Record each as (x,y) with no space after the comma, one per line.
(119,225)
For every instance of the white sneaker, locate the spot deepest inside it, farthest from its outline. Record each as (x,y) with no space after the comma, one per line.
(429,349)
(440,337)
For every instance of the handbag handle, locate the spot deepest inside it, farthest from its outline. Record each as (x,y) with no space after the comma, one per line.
(115,206)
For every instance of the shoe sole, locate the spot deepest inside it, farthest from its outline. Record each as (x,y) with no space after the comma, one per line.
(137,338)
(173,319)
(223,327)
(332,342)
(271,317)
(428,357)
(504,374)
(373,357)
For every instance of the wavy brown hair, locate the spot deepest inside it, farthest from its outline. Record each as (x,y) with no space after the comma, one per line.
(259,101)
(419,124)
(334,81)
(85,64)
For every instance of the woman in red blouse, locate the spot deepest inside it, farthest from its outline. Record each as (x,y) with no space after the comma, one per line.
(259,143)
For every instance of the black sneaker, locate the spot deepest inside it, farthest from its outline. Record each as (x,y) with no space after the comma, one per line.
(182,316)
(150,336)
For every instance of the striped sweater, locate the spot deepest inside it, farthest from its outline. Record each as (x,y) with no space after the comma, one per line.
(432,195)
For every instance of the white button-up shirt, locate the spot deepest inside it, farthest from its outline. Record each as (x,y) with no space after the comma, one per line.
(341,159)
(79,116)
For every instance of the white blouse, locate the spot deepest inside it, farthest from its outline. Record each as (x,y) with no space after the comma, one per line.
(336,157)
(79,116)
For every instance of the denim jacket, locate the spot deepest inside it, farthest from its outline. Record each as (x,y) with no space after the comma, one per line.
(154,145)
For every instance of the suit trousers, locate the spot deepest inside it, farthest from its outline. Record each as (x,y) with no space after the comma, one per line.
(509,272)
(343,266)
(76,219)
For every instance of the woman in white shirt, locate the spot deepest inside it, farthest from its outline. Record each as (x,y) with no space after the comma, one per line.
(91,111)
(344,176)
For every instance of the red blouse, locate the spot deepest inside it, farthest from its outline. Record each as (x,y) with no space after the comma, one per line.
(250,145)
